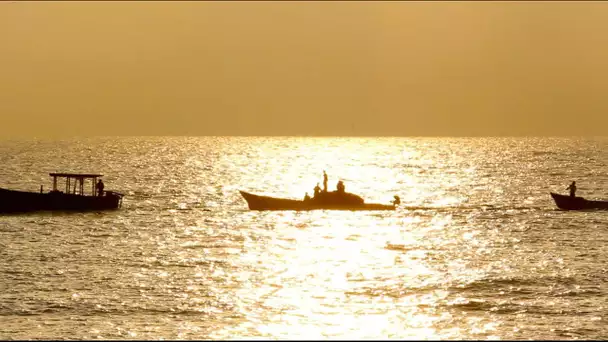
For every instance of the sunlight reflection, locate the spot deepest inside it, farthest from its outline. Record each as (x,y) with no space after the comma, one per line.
(332,274)
(312,293)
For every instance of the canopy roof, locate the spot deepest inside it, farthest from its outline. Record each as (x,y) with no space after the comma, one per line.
(75,175)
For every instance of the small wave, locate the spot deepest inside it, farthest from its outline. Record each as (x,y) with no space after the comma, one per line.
(91,308)
(377,293)
(488,207)
(188,263)
(543,153)
(471,304)
(515,285)
(500,307)
(397,247)
(394,291)
(100,235)
(575,290)
(7,228)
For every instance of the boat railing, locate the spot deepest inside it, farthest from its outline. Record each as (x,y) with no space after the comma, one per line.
(117,194)
(113,193)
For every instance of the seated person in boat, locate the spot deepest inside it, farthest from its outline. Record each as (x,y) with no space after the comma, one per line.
(317,190)
(340,187)
(572,189)
(306,197)
(100,187)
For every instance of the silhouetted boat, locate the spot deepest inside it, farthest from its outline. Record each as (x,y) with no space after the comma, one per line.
(323,201)
(74,198)
(577,203)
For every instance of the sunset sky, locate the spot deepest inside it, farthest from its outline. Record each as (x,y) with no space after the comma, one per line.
(304,68)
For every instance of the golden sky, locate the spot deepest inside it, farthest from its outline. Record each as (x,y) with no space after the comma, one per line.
(304,68)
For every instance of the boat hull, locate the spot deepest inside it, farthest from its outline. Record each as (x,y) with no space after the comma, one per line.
(331,201)
(12,201)
(577,203)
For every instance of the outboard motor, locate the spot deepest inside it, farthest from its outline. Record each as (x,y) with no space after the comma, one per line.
(397,200)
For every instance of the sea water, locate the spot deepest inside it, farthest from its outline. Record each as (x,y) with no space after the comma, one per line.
(476,250)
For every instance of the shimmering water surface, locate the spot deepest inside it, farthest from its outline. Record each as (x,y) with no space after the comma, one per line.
(477,249)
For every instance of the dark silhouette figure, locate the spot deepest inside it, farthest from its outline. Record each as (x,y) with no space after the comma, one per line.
(340,187)
(306,197)
(324,181)
(396,201)
(317,190)
(100,187)
(572,189)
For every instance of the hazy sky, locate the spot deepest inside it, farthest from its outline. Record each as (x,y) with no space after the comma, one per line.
(303,68)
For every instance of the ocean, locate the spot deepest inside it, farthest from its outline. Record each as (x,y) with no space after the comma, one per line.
(476,250)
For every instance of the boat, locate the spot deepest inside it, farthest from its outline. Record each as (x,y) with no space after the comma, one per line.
(74,198)
(323,201)
(577,203)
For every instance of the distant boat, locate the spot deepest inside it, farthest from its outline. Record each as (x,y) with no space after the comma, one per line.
(74,198)
(323,201)
(577,203)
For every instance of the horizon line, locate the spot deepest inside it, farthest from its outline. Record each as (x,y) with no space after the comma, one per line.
(299,136)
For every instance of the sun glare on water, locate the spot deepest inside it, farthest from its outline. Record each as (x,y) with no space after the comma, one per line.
(341,274)
(476,250)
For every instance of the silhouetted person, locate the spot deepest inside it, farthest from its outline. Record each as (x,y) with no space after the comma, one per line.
(396,201)
(572,189)
(324,181)
(340,187)
(317,190)
(306,197)
(100,187)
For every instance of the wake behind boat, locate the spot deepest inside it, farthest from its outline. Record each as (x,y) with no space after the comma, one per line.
(324,201)
(74,198)
(577,203)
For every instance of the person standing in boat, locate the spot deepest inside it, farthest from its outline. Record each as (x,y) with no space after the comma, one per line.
(100,187)
(572,189)
(324,181)
(317,190)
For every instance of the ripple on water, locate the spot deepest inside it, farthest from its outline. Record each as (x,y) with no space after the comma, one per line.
(476,251)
